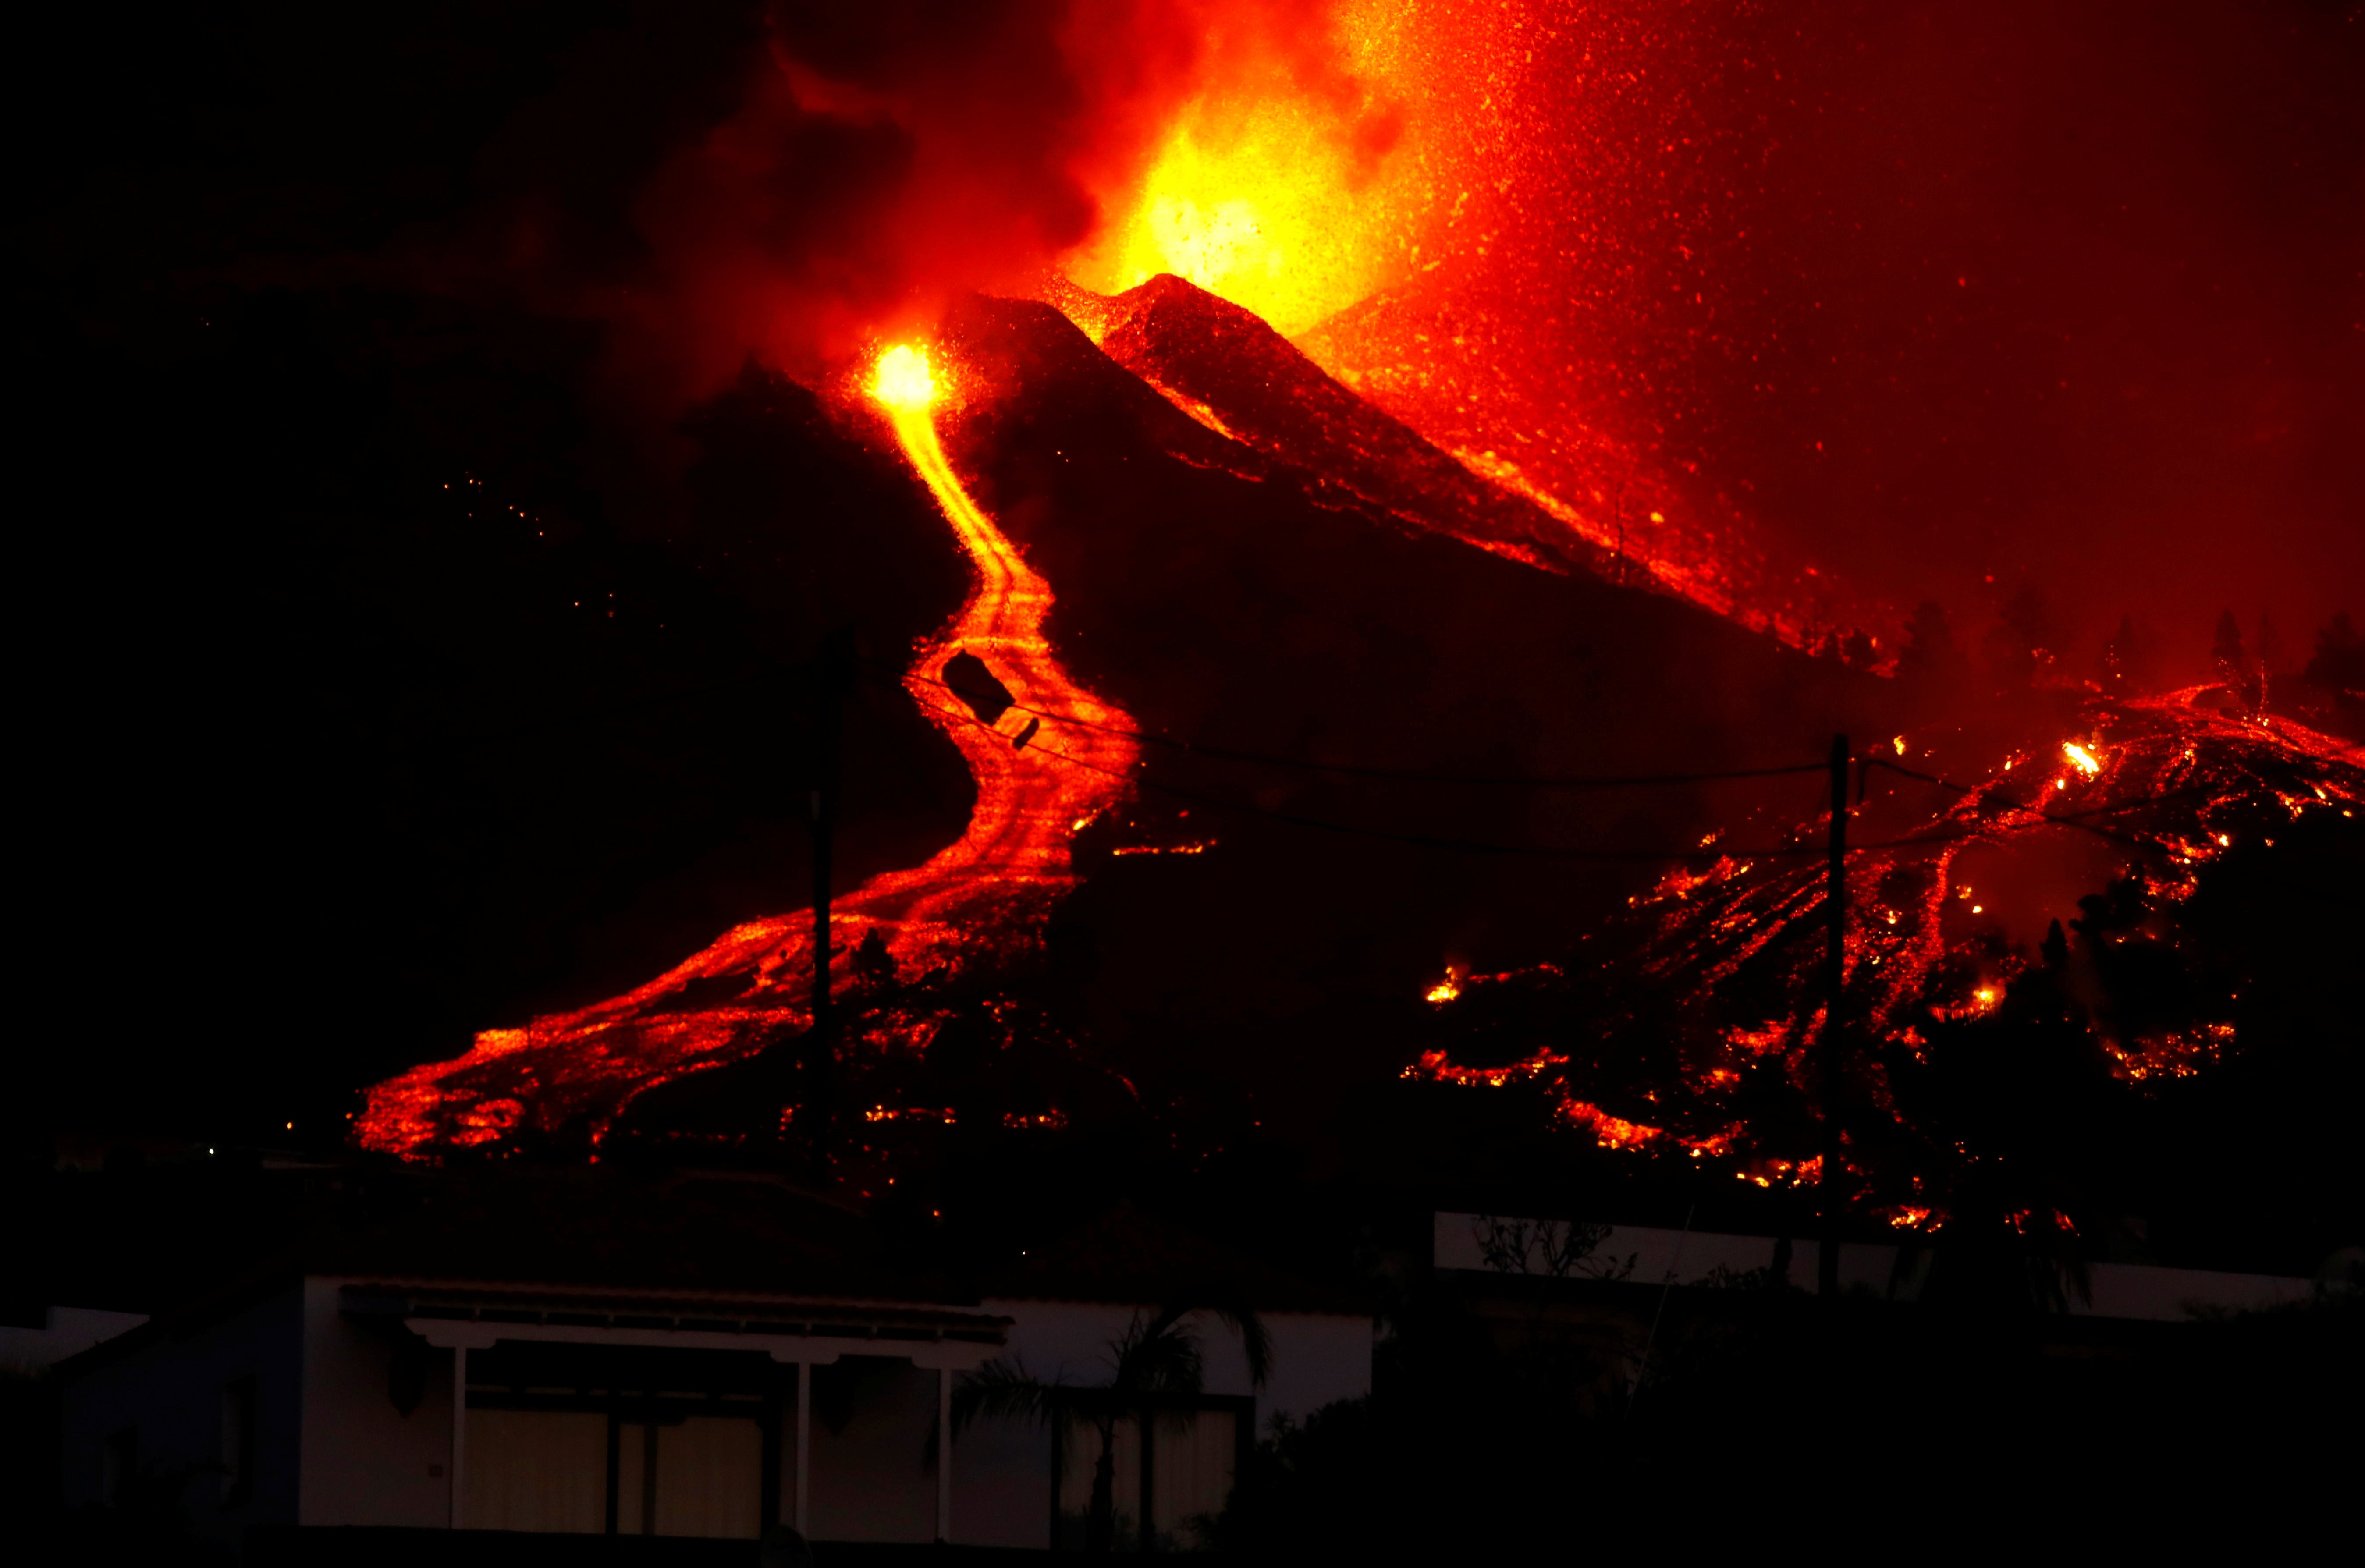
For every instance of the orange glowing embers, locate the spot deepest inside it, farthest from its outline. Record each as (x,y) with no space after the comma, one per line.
(1610,1131)
(2170,1054)
(1772,1173)
(1436,1067)
(983,895)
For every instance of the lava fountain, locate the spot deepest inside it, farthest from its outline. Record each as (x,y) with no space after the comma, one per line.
(1047,765)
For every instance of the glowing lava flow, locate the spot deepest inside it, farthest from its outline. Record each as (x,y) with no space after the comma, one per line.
(1718,972)
(981,896)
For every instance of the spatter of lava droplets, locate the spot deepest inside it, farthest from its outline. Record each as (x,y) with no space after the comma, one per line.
(985,895)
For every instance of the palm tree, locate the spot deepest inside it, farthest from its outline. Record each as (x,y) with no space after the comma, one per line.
(1155,1355)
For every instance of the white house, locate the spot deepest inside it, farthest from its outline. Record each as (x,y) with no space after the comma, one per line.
(572,1354)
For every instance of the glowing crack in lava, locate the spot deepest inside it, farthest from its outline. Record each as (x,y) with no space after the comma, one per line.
(984,896)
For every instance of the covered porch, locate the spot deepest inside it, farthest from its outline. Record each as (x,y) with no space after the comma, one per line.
(715,1415)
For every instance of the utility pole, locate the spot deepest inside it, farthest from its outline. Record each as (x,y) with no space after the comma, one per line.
(1620,507)
(1827,1256)
(833,678)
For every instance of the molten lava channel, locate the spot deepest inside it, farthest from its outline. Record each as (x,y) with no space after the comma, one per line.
(983,895)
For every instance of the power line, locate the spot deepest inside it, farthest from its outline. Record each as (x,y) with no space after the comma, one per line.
(1602,781)
(1481,846)
(1425,841)
(2070,819)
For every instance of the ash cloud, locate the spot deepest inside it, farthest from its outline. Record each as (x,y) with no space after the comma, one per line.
(794,180)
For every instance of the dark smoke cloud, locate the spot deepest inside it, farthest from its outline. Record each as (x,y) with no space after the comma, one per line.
(791,181)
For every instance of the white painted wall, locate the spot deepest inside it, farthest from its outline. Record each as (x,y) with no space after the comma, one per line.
(2119,1290)
(868,1481)
(364,1462)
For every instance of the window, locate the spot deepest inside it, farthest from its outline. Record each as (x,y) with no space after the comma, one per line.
(626,1440)
(551,1471)
(236,1458)
(702,1475)
(536,1470)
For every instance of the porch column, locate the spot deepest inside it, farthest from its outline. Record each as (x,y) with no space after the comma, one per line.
(804,1446)
(944,1454)
(459,1425)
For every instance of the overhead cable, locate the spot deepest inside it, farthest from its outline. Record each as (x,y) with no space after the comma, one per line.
(1525,782)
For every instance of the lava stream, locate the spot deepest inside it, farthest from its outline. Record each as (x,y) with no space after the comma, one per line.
(984,894)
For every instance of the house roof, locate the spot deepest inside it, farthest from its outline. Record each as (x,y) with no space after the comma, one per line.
(1127,1255)
(686,1312)
(539,1245)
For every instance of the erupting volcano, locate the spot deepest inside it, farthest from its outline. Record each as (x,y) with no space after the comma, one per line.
(1380,434)
(1047,758)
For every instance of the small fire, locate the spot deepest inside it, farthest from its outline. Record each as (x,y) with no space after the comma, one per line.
(2085,761)
(903,378)
(1446,989)
(1610,1131)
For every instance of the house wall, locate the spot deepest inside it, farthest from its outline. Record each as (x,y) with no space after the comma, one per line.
(1661,1256)
(65,1331)
(169,1389)
(1002,1470)
(1002,1485)
(364,1462)
(868,1479)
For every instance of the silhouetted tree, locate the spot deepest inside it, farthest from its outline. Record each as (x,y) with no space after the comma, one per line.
(1930,657)
(2271,658)
(2023,640)
(2129,661)
(2339,661)
(873,966)
(2231,663)
(2336,675)
(1155,1355)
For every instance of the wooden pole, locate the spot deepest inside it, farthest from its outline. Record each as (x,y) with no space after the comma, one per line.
(833,675)
(459,1425)
(1827,1257)
(804,1449)
(943,1455)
